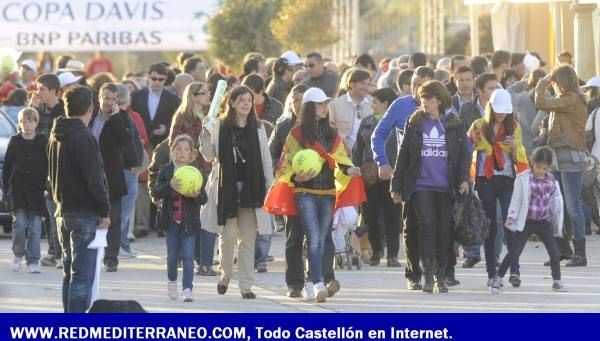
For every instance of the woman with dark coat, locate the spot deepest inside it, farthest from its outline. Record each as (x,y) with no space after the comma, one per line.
(431,169)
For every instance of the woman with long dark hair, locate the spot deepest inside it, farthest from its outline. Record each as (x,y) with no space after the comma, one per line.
(315,195)
(242,171)
(500,156)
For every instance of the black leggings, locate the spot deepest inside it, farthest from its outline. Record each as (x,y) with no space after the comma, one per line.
(434,210)
(544,231)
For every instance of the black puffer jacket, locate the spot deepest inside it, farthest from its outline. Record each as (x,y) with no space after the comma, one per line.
(278,136)
(191,206)
(408,163)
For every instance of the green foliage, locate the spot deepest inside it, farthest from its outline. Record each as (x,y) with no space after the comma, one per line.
(242,26)
(305,26)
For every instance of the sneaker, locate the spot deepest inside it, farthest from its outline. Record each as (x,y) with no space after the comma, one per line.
(309,292)
(131,237)
(59,264)
(206,271)
(320,292)
(48,261)
(34,268)
(261,268)
(489,282)
(125,255)
(110,268)
(515,280)
(270,258)
(172,289)
(333,287)
(558,286)
(496,285)
(187,295)
(16,264)
(470,262)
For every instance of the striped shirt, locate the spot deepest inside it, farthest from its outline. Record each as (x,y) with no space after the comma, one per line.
(540,202)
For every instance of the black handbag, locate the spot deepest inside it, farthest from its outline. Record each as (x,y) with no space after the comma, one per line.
(472,226)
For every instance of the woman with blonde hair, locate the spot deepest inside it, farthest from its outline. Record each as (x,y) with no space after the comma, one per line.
(188,120)
(566,136)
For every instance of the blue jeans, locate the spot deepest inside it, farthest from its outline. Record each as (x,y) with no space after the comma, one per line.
(26,233)
(180,243)
(571,183)
(261,249)
(127,206)
(76,231)
(498,188)
(54,247)
(207,248)
(316,216)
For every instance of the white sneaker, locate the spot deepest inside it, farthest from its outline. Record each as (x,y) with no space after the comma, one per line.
(59,264)
(172,288)
(320,292)
(558,286)
(34,268)
(126,255)
(309,292)
(16,264)
(187,295)
(496,287)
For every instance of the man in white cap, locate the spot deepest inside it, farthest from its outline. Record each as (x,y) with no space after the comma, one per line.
(283,71)
(28,73)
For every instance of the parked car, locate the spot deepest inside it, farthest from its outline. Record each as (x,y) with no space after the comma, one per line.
(7,129)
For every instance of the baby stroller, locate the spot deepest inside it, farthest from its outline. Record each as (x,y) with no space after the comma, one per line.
(347,249)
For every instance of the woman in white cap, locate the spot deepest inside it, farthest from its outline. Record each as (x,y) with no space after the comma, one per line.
(500,155)
(314,191)
(592,89)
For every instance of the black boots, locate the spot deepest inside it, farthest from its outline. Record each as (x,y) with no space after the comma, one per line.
(440,281)
(579,259)
(428,275)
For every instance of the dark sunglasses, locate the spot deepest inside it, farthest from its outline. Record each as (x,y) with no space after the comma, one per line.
(201,93)
(158,79)
(309,65)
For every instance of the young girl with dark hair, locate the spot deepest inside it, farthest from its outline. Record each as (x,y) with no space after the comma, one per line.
(536,207)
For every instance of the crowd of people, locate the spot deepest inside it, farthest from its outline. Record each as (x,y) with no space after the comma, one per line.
(400,141)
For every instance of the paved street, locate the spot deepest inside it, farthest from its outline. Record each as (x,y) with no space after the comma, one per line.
(372,289)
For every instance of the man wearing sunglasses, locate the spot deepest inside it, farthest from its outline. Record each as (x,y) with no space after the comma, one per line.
(319,77)
(155,105)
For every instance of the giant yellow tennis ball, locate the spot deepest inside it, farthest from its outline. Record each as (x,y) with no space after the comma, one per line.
(306,160)
(190,179)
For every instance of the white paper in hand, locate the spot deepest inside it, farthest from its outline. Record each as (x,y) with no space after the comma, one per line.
(100,240)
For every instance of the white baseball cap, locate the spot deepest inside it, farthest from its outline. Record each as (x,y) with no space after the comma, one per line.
(292,58)
(30,64)
(501,102)
(73,65)
(314,95)
(67,78)
(593,82)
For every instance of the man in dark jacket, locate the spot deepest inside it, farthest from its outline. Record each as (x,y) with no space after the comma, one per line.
(470,111)
(155,105)
(267,108)
(79,188)
(319,77)
(282,83)
(50,107)
(110,126)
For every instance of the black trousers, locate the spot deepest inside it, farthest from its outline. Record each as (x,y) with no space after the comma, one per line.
(544,231)
(113,237)
(413,269)
(434,210)
(379,203)
(294,261)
